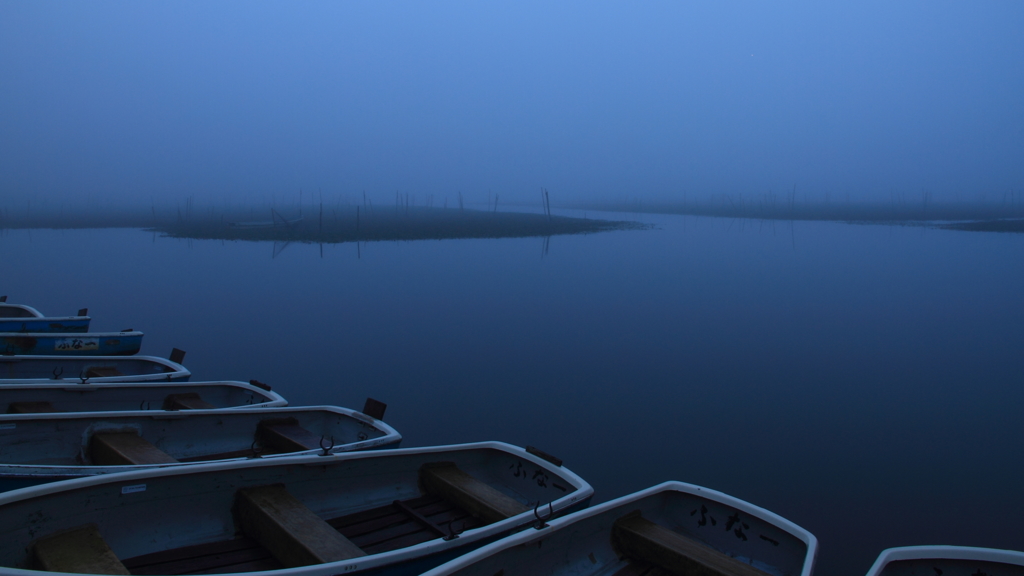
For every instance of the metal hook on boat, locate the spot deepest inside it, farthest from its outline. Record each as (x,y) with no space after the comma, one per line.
(57,372)
(326,449)
(142,405)
(256,452)
(83,377)
(452,534)
(542,522)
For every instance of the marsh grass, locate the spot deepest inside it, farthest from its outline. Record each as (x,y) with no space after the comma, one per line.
(324,224)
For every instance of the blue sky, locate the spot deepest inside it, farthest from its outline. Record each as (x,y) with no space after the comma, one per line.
(594,100)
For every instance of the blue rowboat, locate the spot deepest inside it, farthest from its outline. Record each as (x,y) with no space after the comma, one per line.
(21,318)
(392,512)
(947,561)
(40,448)
(124,343)
(89,369)
(56,397)
(672,528)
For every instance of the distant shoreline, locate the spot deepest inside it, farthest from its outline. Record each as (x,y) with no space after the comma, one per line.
(977,217)
(329,225)
(367,223)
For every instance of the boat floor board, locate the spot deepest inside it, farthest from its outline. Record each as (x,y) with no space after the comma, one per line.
(186,401)
(30,408)
(237,555)
(218,456)
(642,569)
(375,531)
(388,528)
(102,372)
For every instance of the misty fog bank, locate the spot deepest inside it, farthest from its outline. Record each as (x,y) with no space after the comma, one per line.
(598,101)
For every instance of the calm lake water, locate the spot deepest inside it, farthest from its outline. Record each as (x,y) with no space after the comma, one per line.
(866,382)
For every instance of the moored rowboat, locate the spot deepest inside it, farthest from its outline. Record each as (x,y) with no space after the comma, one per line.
(22,318)
(39,448)
(390,512)
(89,369)
(672,528)
(124,343)
(111,397)
(947,561)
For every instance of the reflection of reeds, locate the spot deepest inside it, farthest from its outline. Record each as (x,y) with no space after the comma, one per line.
(351,223)
(416,223)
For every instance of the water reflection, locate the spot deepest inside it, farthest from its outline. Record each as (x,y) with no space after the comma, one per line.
(863,381)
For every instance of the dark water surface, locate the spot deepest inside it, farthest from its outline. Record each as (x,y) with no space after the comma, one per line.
(866,382)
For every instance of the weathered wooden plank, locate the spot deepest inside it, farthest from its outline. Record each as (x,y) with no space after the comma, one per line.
(293,534)
(102,372)
(640,539)
(253,566)
(125,449)
(379,512)
(211,558)
(218,456)
(633,569)
(410,534)
(446,480)
(380,539)
(401,542)
(384,528)
(80,550)
(285,435)
(30,407)
(186,401)
(391,518)
(419,518)
(194,551)
(371,526)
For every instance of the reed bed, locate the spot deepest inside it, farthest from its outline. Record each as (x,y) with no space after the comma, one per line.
(320,223)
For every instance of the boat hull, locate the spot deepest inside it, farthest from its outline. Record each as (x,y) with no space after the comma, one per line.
(76,324)
(67,397)
(81,344)
(947,561)
(43,448)
(31,369)
(582,544)
(22,318)
(148,517)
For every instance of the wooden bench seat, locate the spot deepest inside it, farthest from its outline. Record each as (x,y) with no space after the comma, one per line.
(80,550)
(293,534)
(30,407)
(125,449)
(285,435)
(186,401)
(639,539)
(374,531)
(102,372)
(445,480)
